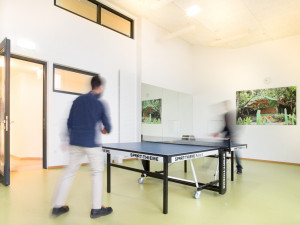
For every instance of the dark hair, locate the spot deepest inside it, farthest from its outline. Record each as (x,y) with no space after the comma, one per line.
(96,82)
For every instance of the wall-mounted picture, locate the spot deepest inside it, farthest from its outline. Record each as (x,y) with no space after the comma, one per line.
(151,111)
(272,106)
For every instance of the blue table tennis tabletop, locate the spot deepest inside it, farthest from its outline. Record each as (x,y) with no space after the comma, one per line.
(159,149)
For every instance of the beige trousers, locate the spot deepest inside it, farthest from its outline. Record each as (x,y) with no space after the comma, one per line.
(96,159)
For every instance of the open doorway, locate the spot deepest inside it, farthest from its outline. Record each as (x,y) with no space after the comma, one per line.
(27,114)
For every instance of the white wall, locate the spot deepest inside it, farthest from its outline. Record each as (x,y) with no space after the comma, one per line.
(213,75)
(165,64)
(220,73)
(64,38)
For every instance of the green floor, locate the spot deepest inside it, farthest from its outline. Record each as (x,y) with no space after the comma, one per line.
(266,193)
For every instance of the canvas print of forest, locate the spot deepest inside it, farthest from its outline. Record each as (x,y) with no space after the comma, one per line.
(267,106)
(151,111)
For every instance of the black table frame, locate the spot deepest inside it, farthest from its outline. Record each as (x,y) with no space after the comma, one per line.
(216,185)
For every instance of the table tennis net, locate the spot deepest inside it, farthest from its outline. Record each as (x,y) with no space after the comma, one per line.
(204,141)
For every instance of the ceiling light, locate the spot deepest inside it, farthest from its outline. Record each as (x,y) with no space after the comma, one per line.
(193,10)
(23,43)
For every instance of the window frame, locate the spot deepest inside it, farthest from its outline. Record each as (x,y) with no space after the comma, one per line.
(92,1)
(99,6)
(118,14)
(71,69)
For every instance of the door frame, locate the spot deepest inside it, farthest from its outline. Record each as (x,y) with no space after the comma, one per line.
(5,44)
(44,63)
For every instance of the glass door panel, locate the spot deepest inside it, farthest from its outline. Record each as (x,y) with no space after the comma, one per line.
(4,111)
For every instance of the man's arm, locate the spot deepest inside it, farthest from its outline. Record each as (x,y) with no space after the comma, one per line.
(105,121)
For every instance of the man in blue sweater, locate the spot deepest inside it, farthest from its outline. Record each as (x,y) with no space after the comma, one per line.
(86,116)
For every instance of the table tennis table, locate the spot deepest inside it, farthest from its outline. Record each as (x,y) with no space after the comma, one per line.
(166,153)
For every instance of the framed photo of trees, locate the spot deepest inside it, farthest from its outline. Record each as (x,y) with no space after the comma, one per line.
(151,111)
(272,106)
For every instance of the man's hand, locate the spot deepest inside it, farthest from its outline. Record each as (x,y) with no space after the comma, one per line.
(216,135)
(103,131)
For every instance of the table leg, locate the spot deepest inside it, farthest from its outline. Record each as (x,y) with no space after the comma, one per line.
(108,173)
(232,165)
(146,165)
(165,188)
(222,172)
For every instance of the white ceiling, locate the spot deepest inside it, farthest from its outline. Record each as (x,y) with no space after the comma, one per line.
(220,23)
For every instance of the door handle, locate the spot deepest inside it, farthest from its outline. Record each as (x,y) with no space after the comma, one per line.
(6,123)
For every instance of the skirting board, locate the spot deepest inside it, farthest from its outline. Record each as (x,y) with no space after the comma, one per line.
(26,158)
(269,161)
